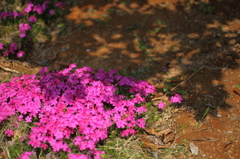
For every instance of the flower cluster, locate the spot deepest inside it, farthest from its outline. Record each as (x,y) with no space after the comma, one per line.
(23,27)
(176,98)
(32,9)
(10,14)
(78,107)
(13,48)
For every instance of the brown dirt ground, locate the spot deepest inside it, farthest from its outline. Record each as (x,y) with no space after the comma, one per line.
(181,35)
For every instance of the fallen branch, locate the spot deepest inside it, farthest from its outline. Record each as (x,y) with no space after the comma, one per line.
(8,69)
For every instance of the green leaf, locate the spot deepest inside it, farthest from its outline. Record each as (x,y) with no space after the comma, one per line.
(60,25)
(169,79)
(143,47)
(97,20)
(238,86)
(181,91)
(194,69)
(165,89)
(205,113)
(167,84)
(157,30)
(104,156)
(159,22)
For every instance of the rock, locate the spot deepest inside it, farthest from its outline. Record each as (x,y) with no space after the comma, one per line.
(193,148)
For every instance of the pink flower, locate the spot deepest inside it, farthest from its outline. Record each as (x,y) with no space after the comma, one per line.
(161,105)
(1,46)
(22,34)
(26,155)
(13,47)
(60,5)
(32,19)
(20,54)
(28,7)
(20,117)
(5,53)
(128,132)
(16,125)
(44,5)
(22,138)
(9,132)
(24,27)
(176,98)
(38,8)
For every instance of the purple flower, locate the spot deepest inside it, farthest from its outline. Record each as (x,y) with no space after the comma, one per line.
(161,105)
(51,12)
(4,15)
(32,19)
(13,47)
(164,69)
(176,98)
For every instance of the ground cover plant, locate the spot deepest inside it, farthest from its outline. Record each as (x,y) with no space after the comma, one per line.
(79,106)
(67,109)
(23,21)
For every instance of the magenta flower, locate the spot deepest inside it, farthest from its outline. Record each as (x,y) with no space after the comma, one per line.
(13,47)
(22,34)
(32,19)
(1,46)
(24,27)
(176,98)
(26,155)
(44,5)
(28,7)
(38,8)
(20,54)
(60,5)
(22,138)
(51,12)
(161,105)
(4,15)
(5,53)
(9,132)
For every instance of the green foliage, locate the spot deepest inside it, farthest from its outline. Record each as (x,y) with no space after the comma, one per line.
(205,7)
(132,27)
(238,86)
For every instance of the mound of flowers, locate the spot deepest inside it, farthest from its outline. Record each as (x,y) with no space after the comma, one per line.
(75,107)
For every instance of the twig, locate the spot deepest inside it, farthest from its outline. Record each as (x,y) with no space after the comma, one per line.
(8,69)
(202,67)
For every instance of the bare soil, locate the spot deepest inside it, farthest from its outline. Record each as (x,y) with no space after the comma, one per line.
(199,43)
